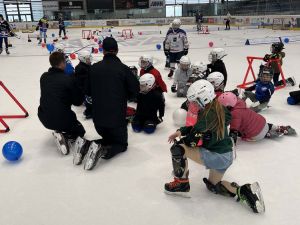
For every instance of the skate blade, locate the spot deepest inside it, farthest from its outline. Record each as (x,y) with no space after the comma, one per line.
(77,160)
(179,194)
(89,162)
(260,205)
(77,156)
(62,148)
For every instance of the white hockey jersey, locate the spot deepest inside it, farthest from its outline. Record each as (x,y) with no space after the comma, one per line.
(176,41)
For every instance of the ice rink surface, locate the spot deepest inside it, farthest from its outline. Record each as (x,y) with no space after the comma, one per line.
(44,188)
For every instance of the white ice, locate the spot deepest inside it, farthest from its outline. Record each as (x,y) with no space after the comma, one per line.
(44,188)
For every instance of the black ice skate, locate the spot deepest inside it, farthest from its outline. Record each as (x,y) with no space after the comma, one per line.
(179,187)
(251,195)
(80,149)
(61,142)
(291,81)
(273,134)
(95,152)
(286,130)
(171,73)
(7,52)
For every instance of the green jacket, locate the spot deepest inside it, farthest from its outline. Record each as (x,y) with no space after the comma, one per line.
(194,134)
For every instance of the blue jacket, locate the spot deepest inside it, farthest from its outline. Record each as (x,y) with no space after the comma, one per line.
(264,91)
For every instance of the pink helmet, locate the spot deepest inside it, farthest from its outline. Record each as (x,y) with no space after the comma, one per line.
(228,99)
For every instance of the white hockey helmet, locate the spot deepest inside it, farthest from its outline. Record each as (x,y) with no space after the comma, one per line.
(185,63)
(199,67)
(147,82)
(145,61)
(216,79)
(215,54)
(85,57)
(176,23)
(202,92)
(59,48)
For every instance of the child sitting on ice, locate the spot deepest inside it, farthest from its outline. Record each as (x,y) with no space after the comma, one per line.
(217,80)
(216,63)
(199,71)
(247,124)
(294,97)
(264,90)
(82,73)
(149,102)
(69,70)
(182,75)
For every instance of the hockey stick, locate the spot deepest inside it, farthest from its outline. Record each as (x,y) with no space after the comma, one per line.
(79,49)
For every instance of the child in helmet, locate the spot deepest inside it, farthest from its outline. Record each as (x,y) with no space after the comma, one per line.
(247,124)
(43,27)
(82,73)
(69,70)
(182,75)
(146,64)
(199,71)
(216,63)
(264,90)
(217,80)
(277,53)
(294,98)
(176,45)
(208,143)
(149,102)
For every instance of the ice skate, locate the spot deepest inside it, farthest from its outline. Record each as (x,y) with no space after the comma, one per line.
(286,130)
(80,149)
(178,187)
(250,194)
(171,74)
(7,52)
(61,143)
(291,81)
(1,50)
(95,152)
(273,134)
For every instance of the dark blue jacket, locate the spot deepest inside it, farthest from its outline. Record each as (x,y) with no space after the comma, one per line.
(264,91)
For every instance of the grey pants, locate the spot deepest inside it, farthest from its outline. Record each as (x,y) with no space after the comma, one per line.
(252,97)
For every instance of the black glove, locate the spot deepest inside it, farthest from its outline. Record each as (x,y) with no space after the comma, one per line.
(234,135)
(266,58)
(185,51)
(167,53)
(173,88)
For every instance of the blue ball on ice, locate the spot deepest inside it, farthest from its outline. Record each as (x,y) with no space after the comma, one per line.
(291,101)
(12,151)
(50,47)
(158,46)
(286,40)
(100,49)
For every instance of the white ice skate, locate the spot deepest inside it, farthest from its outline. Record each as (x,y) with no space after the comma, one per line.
(80,148)
(94,153)
(61,143)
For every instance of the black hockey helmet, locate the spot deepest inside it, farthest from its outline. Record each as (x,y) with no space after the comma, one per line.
(277,47)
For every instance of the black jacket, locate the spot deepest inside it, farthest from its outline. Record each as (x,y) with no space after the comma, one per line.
(4,27)
(149,104)
(61,23)
(82,73)
(112,84)
(58,93)
(218,66)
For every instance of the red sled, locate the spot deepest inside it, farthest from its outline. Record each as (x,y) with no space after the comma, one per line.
(2,117)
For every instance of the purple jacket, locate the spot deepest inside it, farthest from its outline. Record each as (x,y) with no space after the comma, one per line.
(246,121)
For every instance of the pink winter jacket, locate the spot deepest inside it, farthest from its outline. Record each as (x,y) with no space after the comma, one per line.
(246,121)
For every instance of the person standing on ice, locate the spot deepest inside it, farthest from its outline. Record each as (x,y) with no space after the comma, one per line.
(5,31)
(227,21)
(208,143)
(61,26)
(43,27)
(112,84)
(58,93)
(176,45)
(247,124)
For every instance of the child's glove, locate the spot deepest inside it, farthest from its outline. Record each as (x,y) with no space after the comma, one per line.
(185,51)
(267,57)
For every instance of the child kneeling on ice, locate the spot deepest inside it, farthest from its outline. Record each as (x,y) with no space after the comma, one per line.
(249,125)
(208,143)
(149,102)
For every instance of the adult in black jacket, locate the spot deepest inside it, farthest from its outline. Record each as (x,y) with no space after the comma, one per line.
(61,26)
(112,83)
(58,93)
(5,31)
(149,102)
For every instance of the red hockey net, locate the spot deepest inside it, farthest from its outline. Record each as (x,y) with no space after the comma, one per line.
(14,116)
(250,72)
(127,33)
(86,34)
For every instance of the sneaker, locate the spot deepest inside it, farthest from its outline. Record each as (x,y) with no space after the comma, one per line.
(180,187)
(171,73)
(286,130)
(95,152)
(61,143)
(80,149)
(250,194)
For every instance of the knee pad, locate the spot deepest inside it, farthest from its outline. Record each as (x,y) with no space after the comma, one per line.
(179,161)
(149,127)
(219,188)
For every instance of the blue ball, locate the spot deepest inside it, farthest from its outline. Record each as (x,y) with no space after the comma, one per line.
(286,40)
(291,101)
(50,47)
(158,46)
(100,49)
(12,151)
